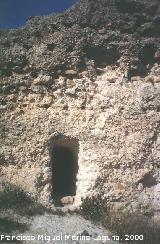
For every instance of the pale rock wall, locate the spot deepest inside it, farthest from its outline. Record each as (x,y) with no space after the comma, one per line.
(116,123)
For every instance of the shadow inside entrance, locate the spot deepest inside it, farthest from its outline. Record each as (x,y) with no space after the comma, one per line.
(65,168)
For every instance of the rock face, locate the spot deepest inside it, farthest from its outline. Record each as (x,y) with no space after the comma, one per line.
(104,31)
(88,77)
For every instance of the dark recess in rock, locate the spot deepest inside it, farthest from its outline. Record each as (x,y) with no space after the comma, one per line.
(50,46)
(102,56)
(148,180)
(147,52)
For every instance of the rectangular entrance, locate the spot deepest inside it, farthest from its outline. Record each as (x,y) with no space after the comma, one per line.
(64,167)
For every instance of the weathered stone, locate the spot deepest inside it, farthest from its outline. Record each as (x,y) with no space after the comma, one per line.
(70,73)
(135,78)
(70,83)
(67,200)
(71,91)
(157,56)
(114,122)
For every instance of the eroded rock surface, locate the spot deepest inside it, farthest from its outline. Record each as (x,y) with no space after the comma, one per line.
(90,74)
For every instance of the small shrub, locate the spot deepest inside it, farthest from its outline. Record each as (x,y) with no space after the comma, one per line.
(121,223)
(93,208)
(8,225)
(16,199)
(132,224)
(50,46)
(13,197)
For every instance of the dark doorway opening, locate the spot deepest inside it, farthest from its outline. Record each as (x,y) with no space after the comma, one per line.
(64,178)
(64,168)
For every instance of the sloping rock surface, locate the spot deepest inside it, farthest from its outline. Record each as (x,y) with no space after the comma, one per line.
(104,31)
(90,74)
(54,228)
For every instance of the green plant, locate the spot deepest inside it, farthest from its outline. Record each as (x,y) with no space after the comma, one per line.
(125,223)
(16,199)
(8,225)
(121,223)
(93,208)
(13,197)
